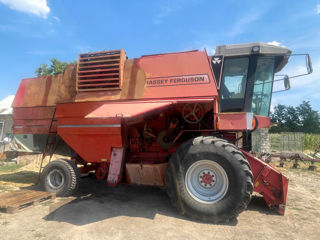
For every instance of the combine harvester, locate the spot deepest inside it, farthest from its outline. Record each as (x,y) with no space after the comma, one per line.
(181,120)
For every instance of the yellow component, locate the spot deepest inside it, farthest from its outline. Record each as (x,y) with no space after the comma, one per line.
(256,184)
(104,160)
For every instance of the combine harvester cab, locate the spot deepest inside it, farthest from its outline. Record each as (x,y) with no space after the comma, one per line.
(181,120)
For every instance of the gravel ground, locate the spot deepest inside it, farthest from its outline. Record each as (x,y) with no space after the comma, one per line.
(132,212)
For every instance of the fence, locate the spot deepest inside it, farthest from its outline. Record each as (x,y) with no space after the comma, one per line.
(287,142)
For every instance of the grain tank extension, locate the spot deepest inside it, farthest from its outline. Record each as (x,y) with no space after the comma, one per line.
(181,120)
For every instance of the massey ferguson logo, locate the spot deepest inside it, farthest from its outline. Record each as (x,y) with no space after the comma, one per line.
(181,80)
(216,60)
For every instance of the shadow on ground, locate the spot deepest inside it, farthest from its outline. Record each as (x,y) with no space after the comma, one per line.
(96,202)
(257,203)
(25,177)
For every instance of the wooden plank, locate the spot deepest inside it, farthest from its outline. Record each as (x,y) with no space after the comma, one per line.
(26,197)
(14,196)
(14,201)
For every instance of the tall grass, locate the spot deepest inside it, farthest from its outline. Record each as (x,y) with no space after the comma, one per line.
(294,141)
(311,141)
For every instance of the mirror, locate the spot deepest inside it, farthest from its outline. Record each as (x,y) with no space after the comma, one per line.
(309,64)
(286,82)
(278,86)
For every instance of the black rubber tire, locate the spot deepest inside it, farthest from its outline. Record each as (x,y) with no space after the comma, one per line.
(71,175)
(230,159)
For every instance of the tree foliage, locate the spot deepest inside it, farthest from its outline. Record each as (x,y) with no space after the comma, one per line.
(295,119)
(55,67)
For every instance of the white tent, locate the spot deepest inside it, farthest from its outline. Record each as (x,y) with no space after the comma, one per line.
(5,105)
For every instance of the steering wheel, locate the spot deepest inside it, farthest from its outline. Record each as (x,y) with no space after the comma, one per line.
(192,113)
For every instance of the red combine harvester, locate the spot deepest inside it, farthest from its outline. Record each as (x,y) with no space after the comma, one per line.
(181,120)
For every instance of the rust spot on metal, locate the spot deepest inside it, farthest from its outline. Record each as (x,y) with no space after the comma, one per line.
(47,90)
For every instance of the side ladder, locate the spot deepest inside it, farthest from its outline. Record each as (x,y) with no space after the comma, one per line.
(51,145)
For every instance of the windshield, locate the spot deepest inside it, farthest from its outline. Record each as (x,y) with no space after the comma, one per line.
(262,89)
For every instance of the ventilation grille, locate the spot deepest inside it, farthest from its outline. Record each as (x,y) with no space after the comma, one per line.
(100,71)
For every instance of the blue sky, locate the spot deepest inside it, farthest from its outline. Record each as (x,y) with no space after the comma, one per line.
(33,31)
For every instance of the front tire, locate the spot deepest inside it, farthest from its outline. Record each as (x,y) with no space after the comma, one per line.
(209,179)
(61,177)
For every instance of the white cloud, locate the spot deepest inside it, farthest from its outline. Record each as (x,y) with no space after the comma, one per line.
(56,18)
(275,43)
(211,50)
(37,7)
(318,9)
(302,88)
(164,12)
(242,24)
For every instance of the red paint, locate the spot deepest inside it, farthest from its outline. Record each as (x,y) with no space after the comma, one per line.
(19,97)
(102,171)
(207,178)
(47,90)
(269,182)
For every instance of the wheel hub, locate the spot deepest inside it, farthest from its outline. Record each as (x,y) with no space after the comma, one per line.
(207,179)
(55,179)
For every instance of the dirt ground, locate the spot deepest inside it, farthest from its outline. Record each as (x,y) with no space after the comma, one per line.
(132,212)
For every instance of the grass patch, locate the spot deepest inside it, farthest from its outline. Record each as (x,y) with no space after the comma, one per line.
(21,177)
(11,167)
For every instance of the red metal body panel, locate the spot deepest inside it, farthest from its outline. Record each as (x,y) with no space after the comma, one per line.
(34,120)
(263,122)
(233,121)
(240,121)
(93,142)
(269,182)
(180,70)
(92,139)
(126,109)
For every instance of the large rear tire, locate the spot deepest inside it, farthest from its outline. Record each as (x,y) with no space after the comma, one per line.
(61,177)
(209,179)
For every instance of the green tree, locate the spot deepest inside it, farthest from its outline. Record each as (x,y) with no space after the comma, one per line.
(55,67)
(295,119)
(43,70)
(309,118)
(292,120)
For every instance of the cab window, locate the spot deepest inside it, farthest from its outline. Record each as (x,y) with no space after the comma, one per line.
(233,84)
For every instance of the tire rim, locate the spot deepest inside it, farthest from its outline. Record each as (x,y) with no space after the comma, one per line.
(55,179)
(206,181)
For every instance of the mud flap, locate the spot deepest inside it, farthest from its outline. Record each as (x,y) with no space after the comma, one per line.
(115,169)
(269,182)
